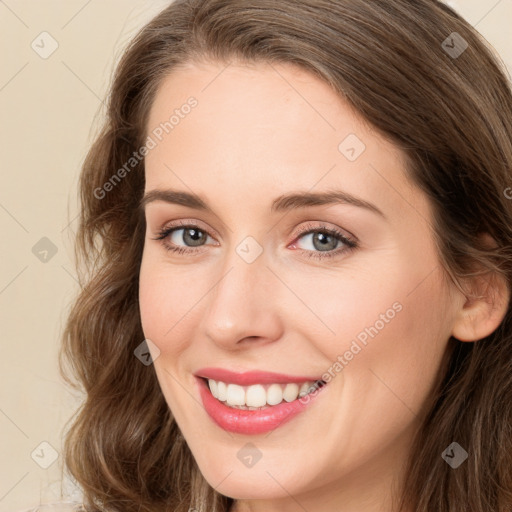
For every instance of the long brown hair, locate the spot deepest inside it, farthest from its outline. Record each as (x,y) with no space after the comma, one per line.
(450,113)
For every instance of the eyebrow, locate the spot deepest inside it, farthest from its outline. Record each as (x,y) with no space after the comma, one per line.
(282,203)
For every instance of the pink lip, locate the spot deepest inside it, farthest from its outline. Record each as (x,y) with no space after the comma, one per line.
(248,422)
(251,377)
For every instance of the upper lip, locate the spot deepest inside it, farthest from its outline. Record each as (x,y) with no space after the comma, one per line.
(251,377)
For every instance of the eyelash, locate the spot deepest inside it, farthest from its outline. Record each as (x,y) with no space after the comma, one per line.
(350,243)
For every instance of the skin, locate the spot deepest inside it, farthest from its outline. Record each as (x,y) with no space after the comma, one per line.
(259,132)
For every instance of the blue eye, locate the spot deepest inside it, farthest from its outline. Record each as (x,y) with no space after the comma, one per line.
(324,242)
(190,235)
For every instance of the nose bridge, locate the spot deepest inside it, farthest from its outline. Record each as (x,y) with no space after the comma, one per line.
(239,304)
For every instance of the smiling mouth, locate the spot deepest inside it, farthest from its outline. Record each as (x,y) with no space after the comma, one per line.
(260,396)
(255,402)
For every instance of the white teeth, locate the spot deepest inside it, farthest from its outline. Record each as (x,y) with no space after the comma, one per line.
(258,395)
(275,394)
(221,391)
(291,392)
(304,389)
(213,387)
(235,395)
(255,396)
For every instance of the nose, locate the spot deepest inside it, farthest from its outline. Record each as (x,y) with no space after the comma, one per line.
(243,305)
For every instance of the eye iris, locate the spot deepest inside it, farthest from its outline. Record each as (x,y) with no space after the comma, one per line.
(321,238)
(193,236)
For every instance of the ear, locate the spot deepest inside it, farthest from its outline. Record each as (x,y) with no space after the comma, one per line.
(485,307)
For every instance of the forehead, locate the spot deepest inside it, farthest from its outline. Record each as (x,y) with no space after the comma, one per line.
(268,127)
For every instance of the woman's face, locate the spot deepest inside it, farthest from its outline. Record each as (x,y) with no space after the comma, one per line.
(261,282)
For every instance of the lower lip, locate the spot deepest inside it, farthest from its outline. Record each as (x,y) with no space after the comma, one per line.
(241,421)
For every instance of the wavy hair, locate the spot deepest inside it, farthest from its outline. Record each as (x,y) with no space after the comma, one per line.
(452,118)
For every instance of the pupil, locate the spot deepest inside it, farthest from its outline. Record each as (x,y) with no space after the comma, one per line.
(323,242)
(195,236)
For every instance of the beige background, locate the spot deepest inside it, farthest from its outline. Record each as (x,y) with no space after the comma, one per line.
(49,110)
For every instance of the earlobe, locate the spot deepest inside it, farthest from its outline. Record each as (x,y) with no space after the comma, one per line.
(484,310)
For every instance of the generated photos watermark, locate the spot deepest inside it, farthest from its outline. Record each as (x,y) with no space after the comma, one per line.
(152,142)
(355,348)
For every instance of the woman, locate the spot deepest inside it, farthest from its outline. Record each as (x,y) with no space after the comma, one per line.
(298,249)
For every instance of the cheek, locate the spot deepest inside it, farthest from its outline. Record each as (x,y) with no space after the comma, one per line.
(389,317)
(391,360)
(166,299)
(353,302)
(167,296)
